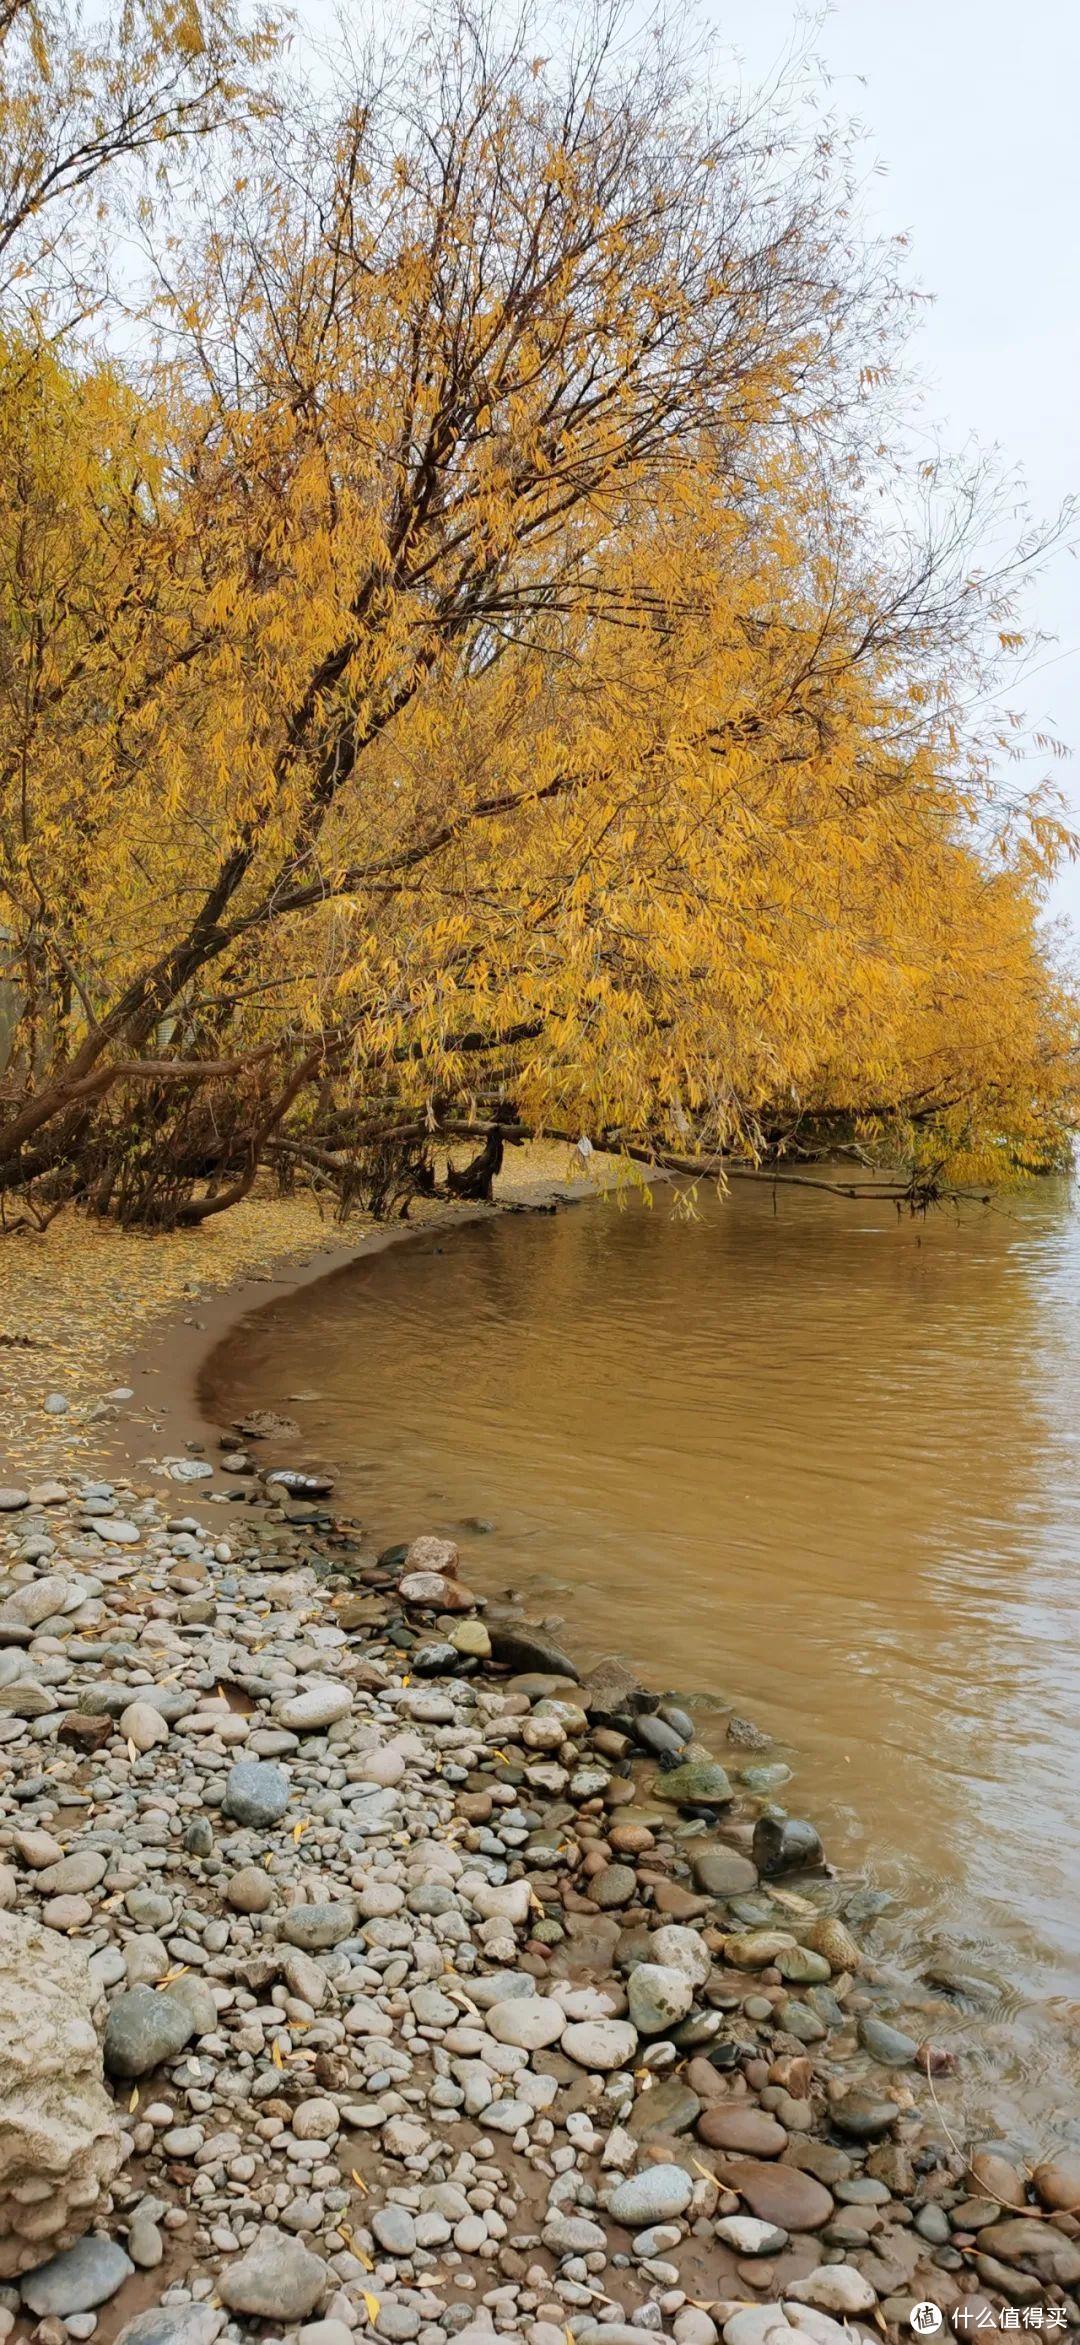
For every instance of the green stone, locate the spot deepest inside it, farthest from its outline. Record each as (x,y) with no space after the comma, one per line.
(802,1967)
(697,1782)
(799,2021)
(670,2107)
(765,1778)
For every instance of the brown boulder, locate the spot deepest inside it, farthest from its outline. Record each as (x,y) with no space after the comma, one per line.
(736,2126)
(1022,2239)
(1057,2181)
(778,2194)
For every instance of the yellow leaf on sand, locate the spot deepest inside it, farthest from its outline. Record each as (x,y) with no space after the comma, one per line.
(359,2181)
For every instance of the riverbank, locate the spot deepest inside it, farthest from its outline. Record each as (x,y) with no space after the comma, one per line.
(441,1998)
(85,1306)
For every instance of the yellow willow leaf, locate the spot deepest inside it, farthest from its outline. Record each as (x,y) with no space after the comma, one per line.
(275,2054)
(372,2306)
(300,1828)
(358,2179)
(133,2103)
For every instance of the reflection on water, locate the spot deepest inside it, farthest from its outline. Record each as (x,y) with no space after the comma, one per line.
(801,1456)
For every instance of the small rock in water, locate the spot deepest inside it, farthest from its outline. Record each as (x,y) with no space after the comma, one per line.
(723,1872)
(697,1783)
(785,1844)
(1057,2181)
(301,1485)
(863,2115)
(887,2045)
(432,1554)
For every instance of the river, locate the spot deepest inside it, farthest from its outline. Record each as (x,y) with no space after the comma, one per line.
(791,1454)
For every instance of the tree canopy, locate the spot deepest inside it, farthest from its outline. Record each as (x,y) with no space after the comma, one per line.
(477,654)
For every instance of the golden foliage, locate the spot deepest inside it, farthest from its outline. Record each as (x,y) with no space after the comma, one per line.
(466,677)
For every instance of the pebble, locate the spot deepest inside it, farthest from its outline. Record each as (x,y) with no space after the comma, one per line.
(656,2196)
(395,2230)
(836,2288)
(749,2236)
(478,1967)
(888,2045)
(256,1793)
(1057,2181)
(659,1997)
(530,2023)
(726,2126)
(250,1890)
(723,1872)
(601,2044)
(144,1726)
(277,2279)
(319,1706)
(83,2276)
(144,2029)
(782,2195)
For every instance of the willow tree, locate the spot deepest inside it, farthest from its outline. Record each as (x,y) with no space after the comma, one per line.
(487,700)
(83,105)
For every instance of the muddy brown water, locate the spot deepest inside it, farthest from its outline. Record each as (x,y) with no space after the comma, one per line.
(793,1455)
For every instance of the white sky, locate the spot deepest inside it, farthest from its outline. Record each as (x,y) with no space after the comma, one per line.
(971,106)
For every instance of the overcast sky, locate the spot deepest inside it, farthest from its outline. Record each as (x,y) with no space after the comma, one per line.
(971,107)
